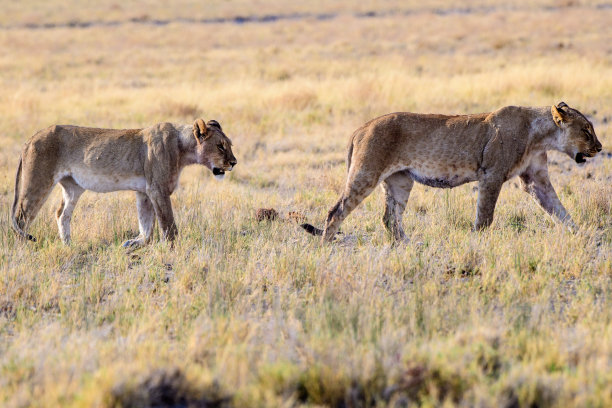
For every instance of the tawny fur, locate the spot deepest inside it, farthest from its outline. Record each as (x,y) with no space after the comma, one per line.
(147,161)
(447,151)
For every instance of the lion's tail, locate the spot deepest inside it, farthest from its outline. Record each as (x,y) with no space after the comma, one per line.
(16,226)
(311,229)
(349,154)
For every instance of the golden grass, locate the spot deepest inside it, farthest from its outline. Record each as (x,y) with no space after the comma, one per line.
(243,313)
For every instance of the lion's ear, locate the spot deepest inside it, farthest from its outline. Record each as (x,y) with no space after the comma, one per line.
(215,124)
(559,115)
(199,129)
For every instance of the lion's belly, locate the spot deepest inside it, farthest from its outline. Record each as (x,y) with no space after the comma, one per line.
(103,183)
(434,176)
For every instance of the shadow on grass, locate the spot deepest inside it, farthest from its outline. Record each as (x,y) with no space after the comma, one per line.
(166,388)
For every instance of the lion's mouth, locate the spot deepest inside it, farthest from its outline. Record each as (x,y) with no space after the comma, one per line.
(218,172)
(581,157)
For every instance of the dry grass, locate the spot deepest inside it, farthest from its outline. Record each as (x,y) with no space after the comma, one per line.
(243,313)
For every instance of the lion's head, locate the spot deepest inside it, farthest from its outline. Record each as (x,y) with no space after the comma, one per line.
(214,149)
(577,138)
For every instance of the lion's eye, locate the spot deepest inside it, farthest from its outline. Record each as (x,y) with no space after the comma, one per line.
(220,147)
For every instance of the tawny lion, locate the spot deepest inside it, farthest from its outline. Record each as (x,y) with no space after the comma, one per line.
(147,161)
(446,151)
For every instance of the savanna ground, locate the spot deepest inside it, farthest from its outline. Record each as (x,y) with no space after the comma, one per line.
(243,313)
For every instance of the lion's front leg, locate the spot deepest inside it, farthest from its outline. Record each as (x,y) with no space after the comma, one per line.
(163,210)
(536,182)
(146,221)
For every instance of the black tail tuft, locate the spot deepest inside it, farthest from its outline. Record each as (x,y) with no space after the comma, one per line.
(311,229)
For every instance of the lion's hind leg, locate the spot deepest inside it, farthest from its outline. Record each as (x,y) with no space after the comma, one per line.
(397,189)
(71,192)
(31,191)
(359,185)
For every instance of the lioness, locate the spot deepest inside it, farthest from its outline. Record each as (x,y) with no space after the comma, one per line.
(446,151)
(147,161)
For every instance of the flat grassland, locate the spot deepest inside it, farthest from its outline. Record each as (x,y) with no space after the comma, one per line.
(243,313)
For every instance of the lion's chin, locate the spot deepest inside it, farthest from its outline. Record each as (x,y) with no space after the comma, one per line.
(219,176)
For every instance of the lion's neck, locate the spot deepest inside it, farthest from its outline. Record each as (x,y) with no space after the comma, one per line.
(543,132)
(187,146)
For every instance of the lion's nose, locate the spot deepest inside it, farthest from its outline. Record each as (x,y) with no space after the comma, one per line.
(233,162)
(598,147)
